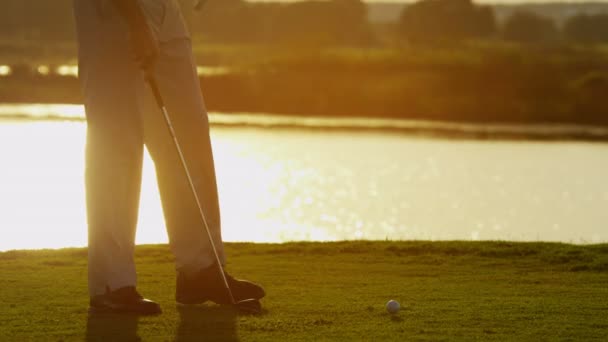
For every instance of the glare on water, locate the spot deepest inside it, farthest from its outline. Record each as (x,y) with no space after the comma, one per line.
(5,70)
(282,185)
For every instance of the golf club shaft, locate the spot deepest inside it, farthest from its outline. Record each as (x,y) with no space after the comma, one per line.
(159,100)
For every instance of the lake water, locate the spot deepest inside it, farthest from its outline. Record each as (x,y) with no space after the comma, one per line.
(285,184)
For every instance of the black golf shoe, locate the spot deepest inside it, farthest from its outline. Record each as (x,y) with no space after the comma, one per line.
(208,285)
(123,300)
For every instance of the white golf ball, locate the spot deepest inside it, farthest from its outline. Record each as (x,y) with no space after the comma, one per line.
(393,306)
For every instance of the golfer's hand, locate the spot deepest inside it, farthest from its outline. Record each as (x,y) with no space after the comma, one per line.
(143,42)
(144,45)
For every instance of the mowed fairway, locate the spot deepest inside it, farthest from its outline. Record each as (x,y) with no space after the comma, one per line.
(331,291)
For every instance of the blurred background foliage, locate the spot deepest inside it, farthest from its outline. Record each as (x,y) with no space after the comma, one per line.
(341,22)
(430,59)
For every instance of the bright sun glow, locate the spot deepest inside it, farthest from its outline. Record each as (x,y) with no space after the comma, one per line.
(42,111)
(211,71)
(43,70)
(5,70)
(68,70)
(72,70)
(286,185)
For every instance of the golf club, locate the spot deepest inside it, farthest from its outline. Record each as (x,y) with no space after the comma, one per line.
(251,306)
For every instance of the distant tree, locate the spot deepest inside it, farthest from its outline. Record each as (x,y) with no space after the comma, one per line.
(590,98)
(341,22)
(323,22)
(444,21)
(37,20)
(587,28)
(528,27)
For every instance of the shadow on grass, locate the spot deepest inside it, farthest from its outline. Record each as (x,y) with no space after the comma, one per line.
(396,318)
(112,327)
(206,323)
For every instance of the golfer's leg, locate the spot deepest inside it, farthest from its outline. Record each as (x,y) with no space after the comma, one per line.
(179,84)
(114,146)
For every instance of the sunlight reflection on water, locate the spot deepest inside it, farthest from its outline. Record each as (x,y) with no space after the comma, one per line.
(282,185)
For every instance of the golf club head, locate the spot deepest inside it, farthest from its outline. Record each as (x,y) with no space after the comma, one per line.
(249,306)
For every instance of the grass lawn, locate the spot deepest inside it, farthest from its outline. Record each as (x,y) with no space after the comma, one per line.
(331,291)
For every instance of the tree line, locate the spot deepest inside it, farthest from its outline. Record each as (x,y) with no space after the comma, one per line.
(448,21)
(332,22)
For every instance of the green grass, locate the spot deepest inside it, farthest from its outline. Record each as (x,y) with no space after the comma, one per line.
(332,291)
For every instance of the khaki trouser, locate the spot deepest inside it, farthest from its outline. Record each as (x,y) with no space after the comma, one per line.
(121,118)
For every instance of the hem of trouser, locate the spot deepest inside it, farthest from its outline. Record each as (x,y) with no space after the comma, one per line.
(195,268)
(111,286)
(99,291)
(96,292)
